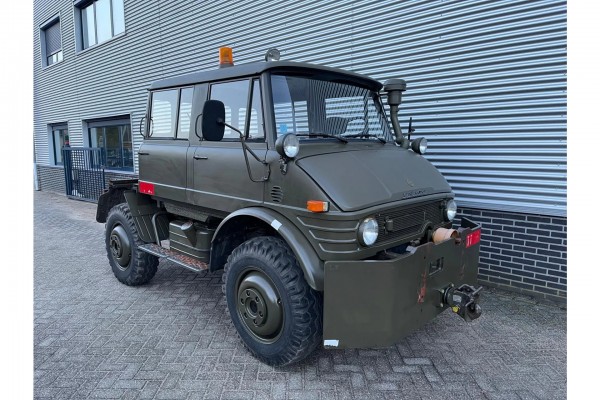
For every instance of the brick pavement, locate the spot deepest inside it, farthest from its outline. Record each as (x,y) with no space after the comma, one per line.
(172,339)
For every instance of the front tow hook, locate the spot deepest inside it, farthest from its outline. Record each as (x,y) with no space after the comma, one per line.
(463,301)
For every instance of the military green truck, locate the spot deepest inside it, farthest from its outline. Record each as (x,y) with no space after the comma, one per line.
(330,225)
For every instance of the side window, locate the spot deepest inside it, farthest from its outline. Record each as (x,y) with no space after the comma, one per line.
(235,97)
(185,113)
(164,113)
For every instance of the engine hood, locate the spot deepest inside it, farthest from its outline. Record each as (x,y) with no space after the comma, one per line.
(355,180)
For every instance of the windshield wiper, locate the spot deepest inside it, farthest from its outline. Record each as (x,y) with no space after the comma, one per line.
(327,135)
(366,135)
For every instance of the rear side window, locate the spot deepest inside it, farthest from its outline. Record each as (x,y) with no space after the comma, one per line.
(171,113)
(164,113)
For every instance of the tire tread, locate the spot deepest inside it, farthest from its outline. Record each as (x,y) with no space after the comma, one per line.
(143,265)
(306,302)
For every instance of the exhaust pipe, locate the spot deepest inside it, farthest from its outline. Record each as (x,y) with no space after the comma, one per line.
(394,89)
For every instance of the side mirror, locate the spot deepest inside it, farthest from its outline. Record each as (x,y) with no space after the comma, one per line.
(213,120)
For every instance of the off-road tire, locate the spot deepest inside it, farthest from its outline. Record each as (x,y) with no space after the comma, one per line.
(302,326)
(142,266)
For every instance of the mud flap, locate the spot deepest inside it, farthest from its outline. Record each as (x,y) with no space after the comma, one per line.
(143,208)
(375,303)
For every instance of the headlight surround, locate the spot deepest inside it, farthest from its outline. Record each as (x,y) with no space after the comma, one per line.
(368,231)
(450,210)
(419,145)
(288,145)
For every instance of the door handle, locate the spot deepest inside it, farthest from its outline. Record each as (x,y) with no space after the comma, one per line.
(143,153)
(200,158)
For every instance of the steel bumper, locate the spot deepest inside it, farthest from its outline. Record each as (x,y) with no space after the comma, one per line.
(375,303)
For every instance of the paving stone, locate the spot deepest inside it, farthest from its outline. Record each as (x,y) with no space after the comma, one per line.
(172,338)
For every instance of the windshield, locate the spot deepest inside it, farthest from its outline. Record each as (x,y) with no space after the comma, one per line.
(318,107)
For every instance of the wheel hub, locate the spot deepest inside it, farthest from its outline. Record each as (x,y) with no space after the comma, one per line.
(119,246)
(259,306)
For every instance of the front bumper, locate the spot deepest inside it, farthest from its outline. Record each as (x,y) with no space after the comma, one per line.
(375,303)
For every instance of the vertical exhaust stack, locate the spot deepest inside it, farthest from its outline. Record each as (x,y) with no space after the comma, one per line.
(394,89)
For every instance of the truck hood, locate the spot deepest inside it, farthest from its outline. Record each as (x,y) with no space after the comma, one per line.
(355,180)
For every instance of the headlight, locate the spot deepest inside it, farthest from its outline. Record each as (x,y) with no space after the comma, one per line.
(287,145)
(368,230)
(450,210)
(419,145)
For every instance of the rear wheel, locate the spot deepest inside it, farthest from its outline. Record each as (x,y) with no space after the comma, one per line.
(130,265)
(276,314)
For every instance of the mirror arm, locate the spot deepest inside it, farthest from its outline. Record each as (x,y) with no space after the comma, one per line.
(196,126)
(141,122)
(246,150)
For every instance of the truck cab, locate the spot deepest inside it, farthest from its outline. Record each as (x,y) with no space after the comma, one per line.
(330,225)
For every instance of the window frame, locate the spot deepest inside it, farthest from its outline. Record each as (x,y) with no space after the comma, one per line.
(78,7)
(175,130)
(247,117)
(108,122)
(55,19)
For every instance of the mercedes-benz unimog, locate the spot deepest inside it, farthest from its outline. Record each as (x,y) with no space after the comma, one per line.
(330,225)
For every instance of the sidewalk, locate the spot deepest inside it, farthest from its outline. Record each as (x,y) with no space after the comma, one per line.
(172,338)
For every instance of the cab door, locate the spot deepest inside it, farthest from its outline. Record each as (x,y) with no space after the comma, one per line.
(220,177)
(162,156)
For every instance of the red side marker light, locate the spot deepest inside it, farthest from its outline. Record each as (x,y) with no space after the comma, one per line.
(473,238)
(146,187)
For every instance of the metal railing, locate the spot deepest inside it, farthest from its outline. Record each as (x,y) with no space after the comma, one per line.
(84,172)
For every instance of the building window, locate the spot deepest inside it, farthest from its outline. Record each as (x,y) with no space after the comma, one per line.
(60,138)
(51,42)
(114,137)
(100,20)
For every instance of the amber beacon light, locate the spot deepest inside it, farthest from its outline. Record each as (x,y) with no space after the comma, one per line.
(225,57)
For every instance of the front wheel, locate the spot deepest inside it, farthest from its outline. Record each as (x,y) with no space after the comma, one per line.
(276,314)
(130,265)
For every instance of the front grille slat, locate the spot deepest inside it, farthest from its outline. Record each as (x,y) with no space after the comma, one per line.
(409,221)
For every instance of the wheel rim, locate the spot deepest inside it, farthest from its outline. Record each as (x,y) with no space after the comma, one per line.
(259,306)
(120,247)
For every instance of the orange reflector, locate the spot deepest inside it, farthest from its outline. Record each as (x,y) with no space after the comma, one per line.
(225,56)
(473,238)
(146,187)
(317,206)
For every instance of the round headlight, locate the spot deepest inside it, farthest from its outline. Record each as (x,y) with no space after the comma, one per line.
(368,230)
(450,210)
(287,145)
(419,145)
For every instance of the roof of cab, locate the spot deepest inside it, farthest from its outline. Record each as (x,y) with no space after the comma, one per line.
(256,68)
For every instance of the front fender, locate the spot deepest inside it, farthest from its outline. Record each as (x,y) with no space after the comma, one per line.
(309,261)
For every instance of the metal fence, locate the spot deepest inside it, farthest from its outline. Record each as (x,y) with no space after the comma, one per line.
(84,172)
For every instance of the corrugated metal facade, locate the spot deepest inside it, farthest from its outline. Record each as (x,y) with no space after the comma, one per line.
(486,79)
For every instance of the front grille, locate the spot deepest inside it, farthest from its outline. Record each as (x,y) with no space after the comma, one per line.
(408,223)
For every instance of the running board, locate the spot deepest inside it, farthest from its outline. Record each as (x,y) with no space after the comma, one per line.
(193,264)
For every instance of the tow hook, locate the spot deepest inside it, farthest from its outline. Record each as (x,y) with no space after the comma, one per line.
(463,301)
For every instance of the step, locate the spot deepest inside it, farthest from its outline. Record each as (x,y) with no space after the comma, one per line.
(182,260)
